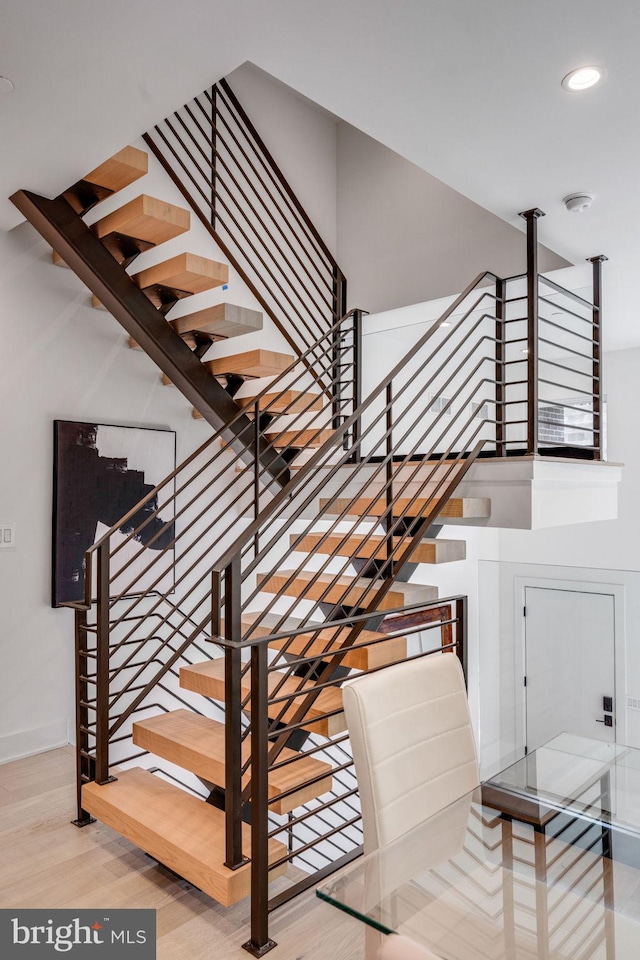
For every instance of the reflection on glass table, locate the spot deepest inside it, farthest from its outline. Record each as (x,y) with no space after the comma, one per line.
(587,778)
(474,883)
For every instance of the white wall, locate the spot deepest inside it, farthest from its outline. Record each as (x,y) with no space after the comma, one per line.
(405,237)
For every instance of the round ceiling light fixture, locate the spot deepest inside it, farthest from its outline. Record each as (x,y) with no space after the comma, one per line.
(583,77)
(6,86)
(578,202)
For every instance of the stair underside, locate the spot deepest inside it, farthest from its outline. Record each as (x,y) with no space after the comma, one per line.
(364,547)
(328,641)
(455,508)
(221,322)
(345,589)
(179,830)
(197,743)
(208,679)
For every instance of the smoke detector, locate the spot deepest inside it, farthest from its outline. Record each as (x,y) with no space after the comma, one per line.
(578,202)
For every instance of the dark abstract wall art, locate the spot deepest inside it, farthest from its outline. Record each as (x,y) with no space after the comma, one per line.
(100,473)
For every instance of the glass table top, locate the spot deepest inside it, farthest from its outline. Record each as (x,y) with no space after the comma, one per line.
(477,883)
(586,777)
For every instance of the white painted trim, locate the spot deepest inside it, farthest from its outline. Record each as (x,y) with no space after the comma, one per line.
(27,743)
(615,590)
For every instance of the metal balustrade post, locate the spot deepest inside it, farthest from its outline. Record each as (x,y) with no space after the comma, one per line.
(233,717)
(102,666)
(596,263)
(461,606)
(83,763)
(389,476)
(356,455)
(260,943)
(501,448)
(532,216)
(339,310)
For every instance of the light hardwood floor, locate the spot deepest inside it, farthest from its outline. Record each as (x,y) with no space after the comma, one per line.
(47,862)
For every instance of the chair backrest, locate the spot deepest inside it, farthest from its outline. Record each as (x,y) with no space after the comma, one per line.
(412,743)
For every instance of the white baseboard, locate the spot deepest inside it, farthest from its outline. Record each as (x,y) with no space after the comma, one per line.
(16,746)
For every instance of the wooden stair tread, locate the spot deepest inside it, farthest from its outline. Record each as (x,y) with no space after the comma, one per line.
(207,678)
(145,218)
(377,655)
(299,438)
(197,743)
(124,167)
(291,401)
(187,272)
(344,589)
(455,507)
(221,322)
(253,363)
(176,828)
(363,546)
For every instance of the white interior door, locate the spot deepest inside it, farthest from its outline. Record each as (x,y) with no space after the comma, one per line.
(569,664)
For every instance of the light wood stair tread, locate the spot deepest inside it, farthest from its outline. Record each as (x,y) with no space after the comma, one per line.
(327,641)
(207,678)
(253,363)
(145,218)
(344,589)
(187,272)
(181,831)
(197,743)
(363,546)
(124,167)
(221,322)
(313,437)
(289,401)
(455,507)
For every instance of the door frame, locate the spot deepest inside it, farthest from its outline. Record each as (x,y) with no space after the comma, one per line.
(615,590)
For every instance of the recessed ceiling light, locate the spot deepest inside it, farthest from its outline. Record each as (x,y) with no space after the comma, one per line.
(583,77)
(445,323)
(6,86)
(526,350)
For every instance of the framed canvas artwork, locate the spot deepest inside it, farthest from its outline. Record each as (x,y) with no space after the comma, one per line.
(100,473)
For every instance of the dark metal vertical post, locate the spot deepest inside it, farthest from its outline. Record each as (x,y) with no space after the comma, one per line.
(260,942)
(596,263)
(389,478)
(531,217)
(501,449)
(461,634)
(256,472)
(214,153)
(339,310)
(233,716)
(356,455)
(102,666)
(82,715)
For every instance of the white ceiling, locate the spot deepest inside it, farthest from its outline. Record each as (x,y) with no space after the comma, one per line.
(467,89)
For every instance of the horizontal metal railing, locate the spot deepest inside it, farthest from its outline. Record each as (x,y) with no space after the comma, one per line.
(219,161)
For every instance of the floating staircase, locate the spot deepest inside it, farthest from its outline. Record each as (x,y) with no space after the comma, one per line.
(298,528)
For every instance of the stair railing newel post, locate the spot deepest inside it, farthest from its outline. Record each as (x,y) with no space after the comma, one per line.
(596,263)
(356,381)
(531,217)
(260,942)
(214,155)
(461,638)
(339,310)
(233,715)
(388,418)
(500,376)
(103,630)
(84,764)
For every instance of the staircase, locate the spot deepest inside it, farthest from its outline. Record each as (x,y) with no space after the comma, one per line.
(210,727)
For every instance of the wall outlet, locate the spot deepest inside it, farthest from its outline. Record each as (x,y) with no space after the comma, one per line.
(7,535)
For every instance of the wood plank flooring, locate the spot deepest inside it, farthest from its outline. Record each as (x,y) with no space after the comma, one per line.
(47,862)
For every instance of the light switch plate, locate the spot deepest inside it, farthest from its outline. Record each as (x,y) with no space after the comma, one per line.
(7,535)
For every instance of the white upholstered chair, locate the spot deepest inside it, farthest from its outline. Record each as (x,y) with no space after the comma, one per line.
(396,947)
(412,743)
